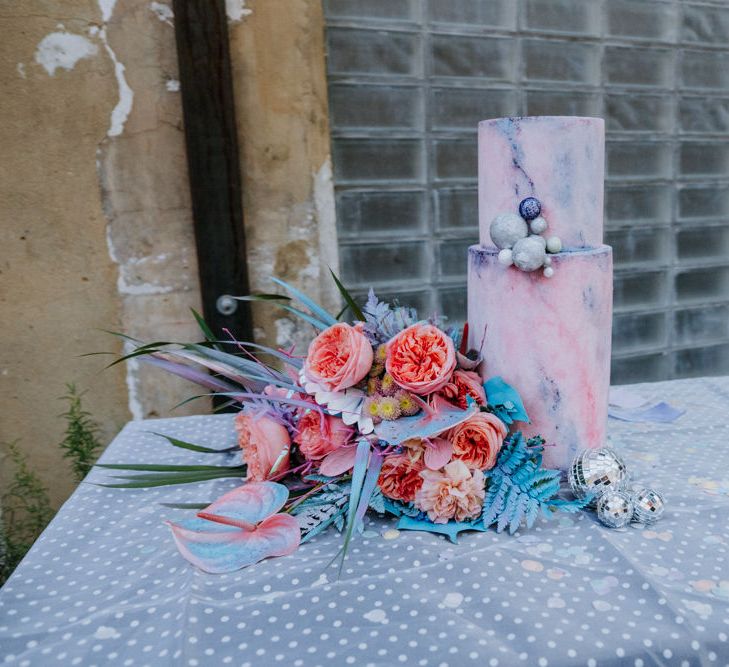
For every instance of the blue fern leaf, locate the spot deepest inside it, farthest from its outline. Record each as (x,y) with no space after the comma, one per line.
(532,511)
(519,513)
(519,487)
(571,505)
(494,503)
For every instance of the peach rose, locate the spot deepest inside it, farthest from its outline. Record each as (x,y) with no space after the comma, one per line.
(452,493)
(400,477)
(461,385)
(421,358)
(317,438)
(338,357)
(263,440)
(477,441)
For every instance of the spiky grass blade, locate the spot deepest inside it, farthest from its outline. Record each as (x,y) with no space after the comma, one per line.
(176,442)
(356,310)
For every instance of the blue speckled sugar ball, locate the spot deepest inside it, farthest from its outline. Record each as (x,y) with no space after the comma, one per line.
(530,208)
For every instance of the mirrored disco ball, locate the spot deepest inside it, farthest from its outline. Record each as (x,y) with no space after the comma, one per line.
(597,471)
(648,505)
(615,509)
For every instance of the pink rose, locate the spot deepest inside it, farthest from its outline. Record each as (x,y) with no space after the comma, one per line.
(263,440)
(319,436)
(478,440)
(421,358)
(400,477)
(338,357)
(452,493)
(461,385)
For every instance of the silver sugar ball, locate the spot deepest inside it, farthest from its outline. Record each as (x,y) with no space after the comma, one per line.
(530,208)
(595,471)
(648,505)
(548,271)
(615,509)
(538,225)
(528,254)
(547,261)
(506,229)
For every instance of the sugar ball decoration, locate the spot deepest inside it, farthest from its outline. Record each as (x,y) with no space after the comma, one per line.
(596,471)
(506,257)
(528,254)
(538,225)
(648,505)
(548,271)
(554,244)
(506,229)
(530,208)
(615,509)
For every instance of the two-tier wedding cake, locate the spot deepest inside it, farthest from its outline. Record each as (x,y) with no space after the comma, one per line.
(540,282)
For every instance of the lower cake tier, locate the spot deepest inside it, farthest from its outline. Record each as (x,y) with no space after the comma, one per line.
(550,339)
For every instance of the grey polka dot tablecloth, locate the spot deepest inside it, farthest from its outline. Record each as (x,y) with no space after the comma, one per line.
(104,585)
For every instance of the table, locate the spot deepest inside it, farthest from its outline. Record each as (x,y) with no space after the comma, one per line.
(104,584)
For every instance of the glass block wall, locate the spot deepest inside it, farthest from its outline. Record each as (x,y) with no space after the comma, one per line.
(410,79)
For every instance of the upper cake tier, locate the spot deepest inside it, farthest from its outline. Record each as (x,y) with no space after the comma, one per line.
(557,159)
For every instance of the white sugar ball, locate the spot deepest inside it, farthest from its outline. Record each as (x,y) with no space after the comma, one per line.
(554,244)
(506,229)
(538,225)
(548,272)
(505,257)
(528,254)
(547,261)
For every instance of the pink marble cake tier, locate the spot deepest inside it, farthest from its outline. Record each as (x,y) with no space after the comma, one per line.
(557,159)
(550,339)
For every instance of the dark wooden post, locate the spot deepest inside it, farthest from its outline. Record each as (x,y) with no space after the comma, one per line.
(206,85)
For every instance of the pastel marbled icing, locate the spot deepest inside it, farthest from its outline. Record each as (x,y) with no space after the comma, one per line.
(550,339)
(557,159)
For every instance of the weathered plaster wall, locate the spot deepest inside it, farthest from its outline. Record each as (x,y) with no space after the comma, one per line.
(95,229)
(96,225)
(277,49)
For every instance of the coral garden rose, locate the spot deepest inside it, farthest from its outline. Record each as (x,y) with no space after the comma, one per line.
(421,358)
(452,493)
(320,434)
(400,477)
(477,440)
(462,385)
(263,440)
(339,357)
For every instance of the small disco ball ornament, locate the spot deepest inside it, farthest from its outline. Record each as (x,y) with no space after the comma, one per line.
(615,509)
(530,208)
(595,471)
(648,505)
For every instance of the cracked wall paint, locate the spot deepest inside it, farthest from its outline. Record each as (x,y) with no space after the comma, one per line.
(163,12)
(236,10)
(142,173)
(62,50)
(283,127)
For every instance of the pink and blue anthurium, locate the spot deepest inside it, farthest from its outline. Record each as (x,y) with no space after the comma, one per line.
(239,529)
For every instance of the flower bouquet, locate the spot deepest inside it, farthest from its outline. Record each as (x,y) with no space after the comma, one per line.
(385,413)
